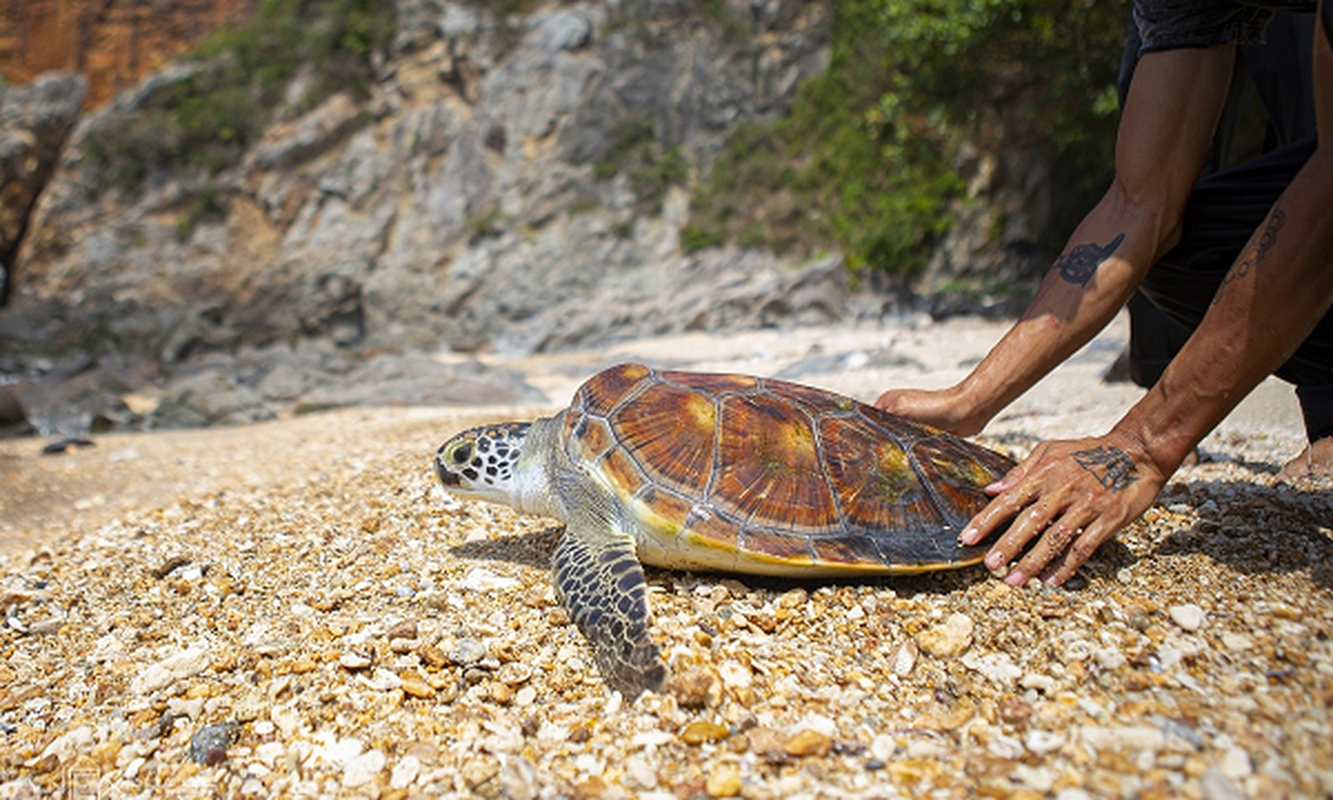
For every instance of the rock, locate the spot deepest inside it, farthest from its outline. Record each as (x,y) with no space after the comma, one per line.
(696,688)
(183,664)
(1188,617)
(353,661)
(1041,743)
(208,746)
(949,639)
(35,121)
(68,745)
(724,779)
(403,629)
(519,778)
(701,731)
(13,418)
(808,742)
(480,579)
(999,668)
(363,769)
(1127,737)
(904,659)
(1215,785)
(1236,764)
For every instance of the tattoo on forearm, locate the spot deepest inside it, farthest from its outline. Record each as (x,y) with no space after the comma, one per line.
(1111,466)
(1079,264)
(1255,254)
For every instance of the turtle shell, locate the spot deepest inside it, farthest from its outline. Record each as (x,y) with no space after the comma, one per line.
(746,474)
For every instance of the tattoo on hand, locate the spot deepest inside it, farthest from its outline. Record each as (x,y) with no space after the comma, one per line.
(1111,466)
(1079,264)
(1255,254)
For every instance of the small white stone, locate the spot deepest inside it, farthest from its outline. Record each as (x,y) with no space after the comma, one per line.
(905,659)
(1038,779)
(815,722)
(1236,641)
(1109,658)
(1037,681)
(479,579)
(1189,617)
(1041,742)
(384,680)
(639,774)
(735,675)
(405,772)
(1235,764)
(288,720)
(184,664)
(1125,737)
(68,745)
(998,667)
(949,639)
(363,769)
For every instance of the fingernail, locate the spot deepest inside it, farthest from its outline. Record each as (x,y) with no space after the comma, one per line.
(994,561)
(1015,578)
(969,536)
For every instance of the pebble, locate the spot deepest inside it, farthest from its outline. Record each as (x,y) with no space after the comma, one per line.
(949,639)
(904,659)
(363,769)
(180,665)
(1127,737)
(808,742)
(999,668)
(480,579)
(1215,785)
(1235,764)
(1188,617)
(724,780)
(701,731)
(208,746)
(1041,742)
(466,652)
(354,662)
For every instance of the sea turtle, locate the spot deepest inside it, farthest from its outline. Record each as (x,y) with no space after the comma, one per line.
(719,472)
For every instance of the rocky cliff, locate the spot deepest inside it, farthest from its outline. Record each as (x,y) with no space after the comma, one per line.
(112,43)
(479,195)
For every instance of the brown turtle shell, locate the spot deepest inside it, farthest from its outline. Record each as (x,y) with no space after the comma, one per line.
(732,472)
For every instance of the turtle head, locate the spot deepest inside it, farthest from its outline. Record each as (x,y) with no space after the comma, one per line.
(502,463)
(482,463)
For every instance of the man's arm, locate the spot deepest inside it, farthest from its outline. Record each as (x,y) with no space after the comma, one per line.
(1172,109)
(1070,497)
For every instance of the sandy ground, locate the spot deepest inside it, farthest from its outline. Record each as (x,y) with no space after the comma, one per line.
(295,609)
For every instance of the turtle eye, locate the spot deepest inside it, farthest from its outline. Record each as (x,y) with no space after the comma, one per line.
(462,454)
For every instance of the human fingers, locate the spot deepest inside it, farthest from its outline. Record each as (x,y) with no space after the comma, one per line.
(1063,566)
(1028,514)
(1053,546)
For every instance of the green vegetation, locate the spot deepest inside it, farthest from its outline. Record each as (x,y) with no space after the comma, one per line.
(203,123)
(650,168)
(868,158)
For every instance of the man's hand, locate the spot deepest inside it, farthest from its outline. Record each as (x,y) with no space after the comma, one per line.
(1068,497)
(942,408)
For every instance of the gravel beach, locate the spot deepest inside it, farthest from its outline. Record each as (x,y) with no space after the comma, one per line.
(296,609)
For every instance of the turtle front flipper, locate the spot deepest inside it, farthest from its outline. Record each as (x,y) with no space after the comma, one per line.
(601,585)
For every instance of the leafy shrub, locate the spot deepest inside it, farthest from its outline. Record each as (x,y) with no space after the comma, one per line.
(651,169)
(204,122)
(867,159)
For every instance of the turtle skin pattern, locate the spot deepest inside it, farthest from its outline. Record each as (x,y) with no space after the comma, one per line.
(758,475)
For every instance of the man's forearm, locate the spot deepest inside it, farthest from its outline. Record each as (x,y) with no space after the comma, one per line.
(1170,116)
(1272,298)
